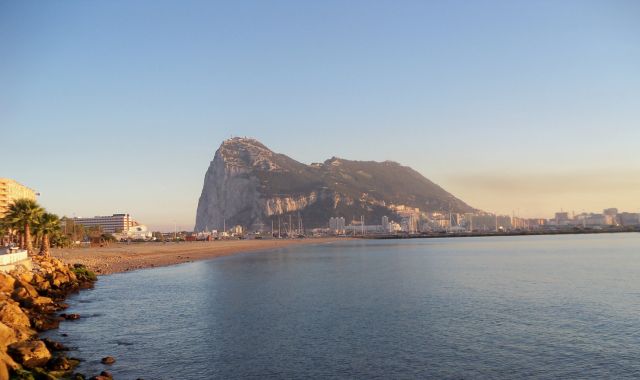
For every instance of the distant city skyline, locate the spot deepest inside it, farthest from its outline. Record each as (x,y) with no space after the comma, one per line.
(524,107)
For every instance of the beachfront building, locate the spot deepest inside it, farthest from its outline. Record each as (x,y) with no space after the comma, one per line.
(136,231)
(10,191)
(110,224)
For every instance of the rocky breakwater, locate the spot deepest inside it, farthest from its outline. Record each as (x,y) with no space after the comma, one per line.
(29,303)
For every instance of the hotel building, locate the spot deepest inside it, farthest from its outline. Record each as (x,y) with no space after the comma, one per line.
(10,191)
(110,224)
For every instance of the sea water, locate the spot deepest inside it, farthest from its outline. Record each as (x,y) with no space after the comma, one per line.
(457,308)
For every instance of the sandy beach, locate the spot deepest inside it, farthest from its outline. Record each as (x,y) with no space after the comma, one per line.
(122,257)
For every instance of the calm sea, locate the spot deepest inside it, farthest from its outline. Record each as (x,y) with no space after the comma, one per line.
(540,307)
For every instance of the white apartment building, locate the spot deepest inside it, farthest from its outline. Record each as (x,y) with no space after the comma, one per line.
(337,225)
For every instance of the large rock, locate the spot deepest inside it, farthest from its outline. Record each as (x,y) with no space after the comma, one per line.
(41,301)
(63,363)
(6,363)
(44,322)
(230,193)
(29,290)
(7,336)
(58,279)
(40,282)
(30,354)
(4,370)
(12,315)
(52,345)
(26,276)
(15,318)
(6,282)
(108,360)
(250,185)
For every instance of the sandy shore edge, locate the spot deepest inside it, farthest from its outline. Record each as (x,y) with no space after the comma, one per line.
(122,257)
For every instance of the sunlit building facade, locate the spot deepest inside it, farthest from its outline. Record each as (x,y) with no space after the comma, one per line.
(109,224)
(10,191)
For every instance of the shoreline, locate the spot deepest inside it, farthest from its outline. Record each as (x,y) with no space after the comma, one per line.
(123,257)
(31,299)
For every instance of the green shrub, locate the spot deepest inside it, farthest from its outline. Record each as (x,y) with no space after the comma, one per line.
(82,273)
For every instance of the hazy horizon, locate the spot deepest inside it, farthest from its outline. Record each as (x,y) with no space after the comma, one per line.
(525,107)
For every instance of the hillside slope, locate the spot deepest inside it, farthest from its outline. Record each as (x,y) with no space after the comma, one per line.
(250,185)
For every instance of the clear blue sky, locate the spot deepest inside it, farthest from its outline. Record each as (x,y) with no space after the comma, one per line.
(110,106)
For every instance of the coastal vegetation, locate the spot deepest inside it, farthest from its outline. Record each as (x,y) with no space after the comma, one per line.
(22,216)
(29,226)
(33,292)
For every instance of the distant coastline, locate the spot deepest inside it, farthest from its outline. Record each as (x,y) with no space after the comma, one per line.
(122,257)
(576,231)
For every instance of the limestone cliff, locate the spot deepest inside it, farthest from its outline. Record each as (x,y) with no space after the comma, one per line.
(250,185)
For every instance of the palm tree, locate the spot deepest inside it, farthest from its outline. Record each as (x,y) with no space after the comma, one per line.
(48,225)
(4,231)
(22,214)
(60,240)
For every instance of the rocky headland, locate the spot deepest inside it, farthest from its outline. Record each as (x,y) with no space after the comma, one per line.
(30,302)
(248,184)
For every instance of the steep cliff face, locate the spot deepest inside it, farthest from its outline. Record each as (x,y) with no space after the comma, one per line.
(249,185)
(230,193)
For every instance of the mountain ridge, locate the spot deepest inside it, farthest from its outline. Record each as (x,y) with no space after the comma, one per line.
(250,185)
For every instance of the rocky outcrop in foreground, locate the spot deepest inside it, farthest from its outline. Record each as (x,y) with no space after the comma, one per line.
(29,302)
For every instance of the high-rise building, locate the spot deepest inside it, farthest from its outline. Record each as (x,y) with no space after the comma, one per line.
(336,225)
(10,191)
(385,223)
(109,224)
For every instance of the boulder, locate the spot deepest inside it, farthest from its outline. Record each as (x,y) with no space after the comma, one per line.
(44,286)
(26,276)
(43,374)
(7,363)
(15,319)
(28,288)
(38,279)
(12,315)
(52,345)
(7,282)
(40,282)
(108,360)
(40,300)
(62,305)
(4,371)
(21,294)
(7,336)
(62,363)
(43,322)
(59,279)
(30,354)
